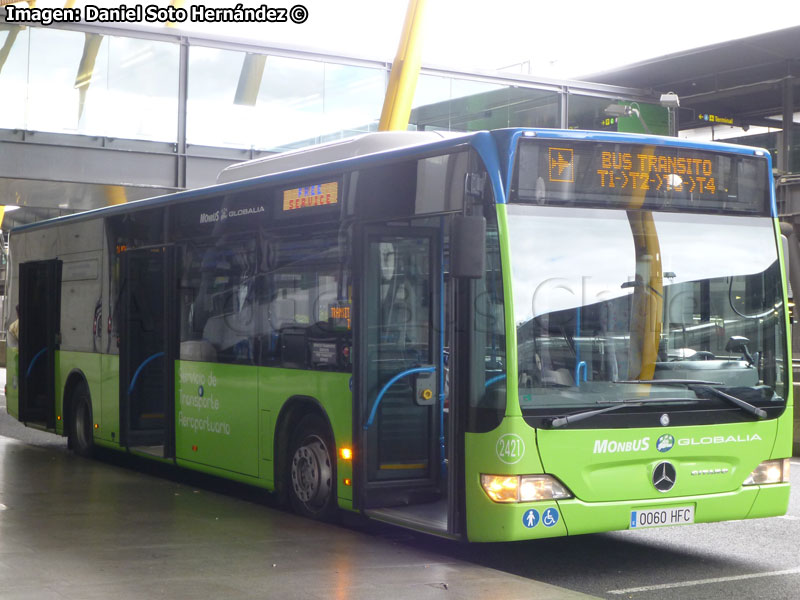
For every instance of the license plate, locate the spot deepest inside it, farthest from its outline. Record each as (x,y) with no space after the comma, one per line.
(660,517)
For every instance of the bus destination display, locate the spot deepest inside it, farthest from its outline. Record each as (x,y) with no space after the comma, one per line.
(656,171)
(310,196)
(639,176)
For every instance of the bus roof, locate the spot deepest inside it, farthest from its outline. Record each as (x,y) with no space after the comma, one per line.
(361,145)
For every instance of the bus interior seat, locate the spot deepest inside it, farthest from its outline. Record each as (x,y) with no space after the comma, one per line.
(229,333)
(198,350)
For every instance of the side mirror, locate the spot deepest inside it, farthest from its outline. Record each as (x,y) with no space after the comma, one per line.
(468,247)
(738,343)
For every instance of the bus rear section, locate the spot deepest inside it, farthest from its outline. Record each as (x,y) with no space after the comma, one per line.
(648,379)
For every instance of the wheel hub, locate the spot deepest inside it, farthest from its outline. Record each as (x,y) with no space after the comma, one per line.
(311,472)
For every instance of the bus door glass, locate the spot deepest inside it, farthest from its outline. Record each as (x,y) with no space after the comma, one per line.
(39,324)
(147,349)
(400,354)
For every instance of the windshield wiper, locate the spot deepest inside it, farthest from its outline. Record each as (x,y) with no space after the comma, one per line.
(759,413)
(671,381)
(697,384)
(560,422)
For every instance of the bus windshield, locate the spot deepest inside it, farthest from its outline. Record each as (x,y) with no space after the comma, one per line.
(605,296)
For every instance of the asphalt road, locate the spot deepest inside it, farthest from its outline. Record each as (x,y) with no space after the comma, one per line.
(742,559)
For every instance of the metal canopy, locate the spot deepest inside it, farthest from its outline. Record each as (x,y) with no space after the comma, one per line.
(743,79)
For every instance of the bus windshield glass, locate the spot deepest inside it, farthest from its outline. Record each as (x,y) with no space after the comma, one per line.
(604,297)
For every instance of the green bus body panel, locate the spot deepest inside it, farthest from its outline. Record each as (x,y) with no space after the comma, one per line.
(109,431)
(225,417)
(512,377)
(88,364)
(617,464)
(332,391)
(618,482)
(216,416)
(12,381)
(772,500)
(783,439)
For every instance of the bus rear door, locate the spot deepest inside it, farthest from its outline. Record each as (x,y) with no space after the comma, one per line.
(39,326)
(147,350)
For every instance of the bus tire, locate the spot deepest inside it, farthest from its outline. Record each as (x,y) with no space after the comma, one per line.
(81,438)
(312,469)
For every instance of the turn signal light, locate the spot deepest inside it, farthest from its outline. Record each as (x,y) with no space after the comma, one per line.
(770,471)
(346,453)
(523,488)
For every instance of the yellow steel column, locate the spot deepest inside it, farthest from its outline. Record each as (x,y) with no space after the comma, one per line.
(405,71)
(176,4)
(647,304)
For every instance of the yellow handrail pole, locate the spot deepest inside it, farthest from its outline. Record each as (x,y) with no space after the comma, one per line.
(405,71)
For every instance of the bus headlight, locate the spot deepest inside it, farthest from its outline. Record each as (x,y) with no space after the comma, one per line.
(770,471)
(523,488)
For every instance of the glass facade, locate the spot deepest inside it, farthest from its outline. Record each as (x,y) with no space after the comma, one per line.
(13,76)
(128,87)
(592,112)
(62,81)
(273,102)
(455,104)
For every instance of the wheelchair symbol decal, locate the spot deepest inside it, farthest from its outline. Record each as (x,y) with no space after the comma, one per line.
(550,517)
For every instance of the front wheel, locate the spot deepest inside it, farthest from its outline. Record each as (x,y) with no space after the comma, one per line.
(312,470)
(81,438)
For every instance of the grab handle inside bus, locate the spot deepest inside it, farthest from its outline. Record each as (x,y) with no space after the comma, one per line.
(33,361)
(389,384)
(146,361)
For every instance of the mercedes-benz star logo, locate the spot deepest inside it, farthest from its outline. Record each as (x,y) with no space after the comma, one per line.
(664,476)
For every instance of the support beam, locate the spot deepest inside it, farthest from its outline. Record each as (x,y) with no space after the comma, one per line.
(405,71)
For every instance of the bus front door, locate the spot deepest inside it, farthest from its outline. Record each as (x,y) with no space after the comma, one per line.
(399,368)
(39,325)
(147,350)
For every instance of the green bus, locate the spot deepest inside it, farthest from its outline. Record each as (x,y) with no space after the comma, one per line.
(487,336)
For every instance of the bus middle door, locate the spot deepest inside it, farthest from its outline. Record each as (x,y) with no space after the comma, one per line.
(399,367)
(147,350)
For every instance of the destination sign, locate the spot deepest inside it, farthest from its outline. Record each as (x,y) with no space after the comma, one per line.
(311,196)
(715,119)
(655,171)
(618,175)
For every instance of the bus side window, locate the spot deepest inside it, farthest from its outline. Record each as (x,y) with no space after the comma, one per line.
(304,307)
(218,303)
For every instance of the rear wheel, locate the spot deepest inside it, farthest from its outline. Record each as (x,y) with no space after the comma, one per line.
(312,470)
(81,439)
